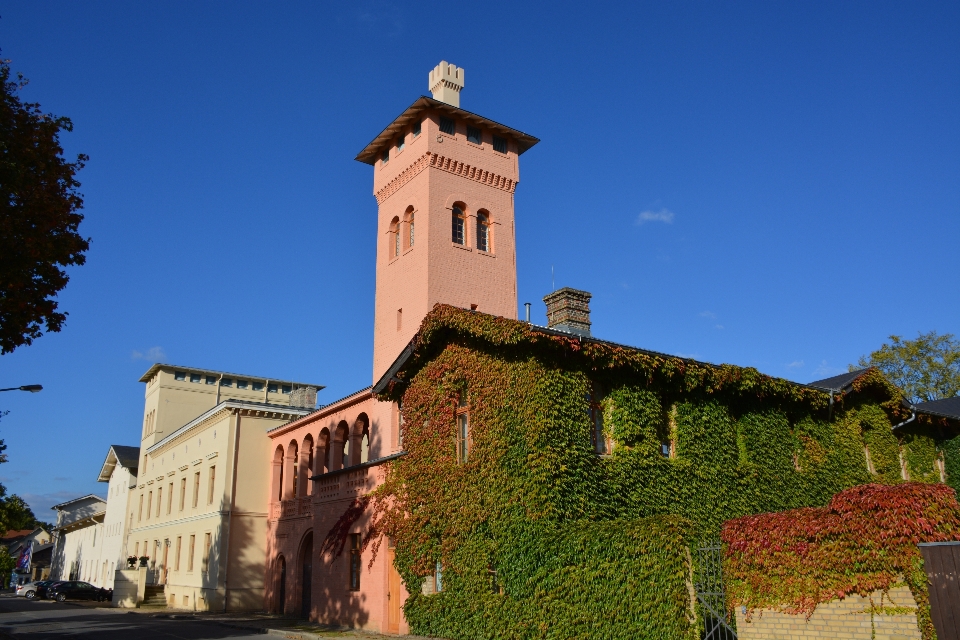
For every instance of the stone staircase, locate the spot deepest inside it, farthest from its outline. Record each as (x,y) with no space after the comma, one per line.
(154,597)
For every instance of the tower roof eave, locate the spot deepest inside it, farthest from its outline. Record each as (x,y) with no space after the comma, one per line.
(370,153)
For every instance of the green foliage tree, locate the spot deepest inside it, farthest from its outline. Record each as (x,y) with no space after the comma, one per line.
(18,515)
(39,216)
(927,368)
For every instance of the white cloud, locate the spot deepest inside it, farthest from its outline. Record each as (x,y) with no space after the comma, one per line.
(664,215)
(707,314)
(153,354)
(826,371)
(719,326)
(795,364)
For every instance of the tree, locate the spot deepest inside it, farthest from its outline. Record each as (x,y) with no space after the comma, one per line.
(927,368)
(17,515)
(39,216)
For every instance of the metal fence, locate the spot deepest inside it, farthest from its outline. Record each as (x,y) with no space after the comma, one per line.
(711,599)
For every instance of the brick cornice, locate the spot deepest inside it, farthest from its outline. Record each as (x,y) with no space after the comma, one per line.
(436,161)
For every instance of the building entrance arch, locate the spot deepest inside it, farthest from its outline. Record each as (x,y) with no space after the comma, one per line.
(306,576)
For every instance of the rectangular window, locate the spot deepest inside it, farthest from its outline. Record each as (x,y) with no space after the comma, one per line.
(446,126)
(272,387)
(183,492)
(401,143)
(169,498)
(211,379)
(176,555)
(190,549)
(417,128)
(196,489)
(140,510)
(159,500)
(194,377)
(499,144)
(206,552)
(463,428)
(258,386)
(355,562)
(226,382)
(136,549)
(385,156)
(438,577)
(149,504)
(473,135)
(179,375)
(286,388)
(241,384)
(210,485)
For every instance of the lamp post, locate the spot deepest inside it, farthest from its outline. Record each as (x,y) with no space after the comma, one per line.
(32,388)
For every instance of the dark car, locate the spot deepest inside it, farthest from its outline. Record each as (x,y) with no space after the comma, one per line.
(77,590)
(44,586)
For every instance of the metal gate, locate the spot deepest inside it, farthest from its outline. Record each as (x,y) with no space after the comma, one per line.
(708,581)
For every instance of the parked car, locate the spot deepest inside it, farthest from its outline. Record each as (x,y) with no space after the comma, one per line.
(29,589)
(77,590)
(44,586)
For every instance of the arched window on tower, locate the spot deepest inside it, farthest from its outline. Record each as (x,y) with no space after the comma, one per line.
(393,238)
(406,229)
(459,225)
(483,231)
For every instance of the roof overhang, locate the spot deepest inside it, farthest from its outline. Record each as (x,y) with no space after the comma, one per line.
(370,152)
(152,371)
(89,496)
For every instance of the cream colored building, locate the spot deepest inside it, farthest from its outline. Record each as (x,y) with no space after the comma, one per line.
(79,540)
(199,509)
(119,471)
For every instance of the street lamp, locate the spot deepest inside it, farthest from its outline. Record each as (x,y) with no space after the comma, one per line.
(32,388)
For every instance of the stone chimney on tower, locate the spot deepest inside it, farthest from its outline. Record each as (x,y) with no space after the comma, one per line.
(569,310)
(446,81)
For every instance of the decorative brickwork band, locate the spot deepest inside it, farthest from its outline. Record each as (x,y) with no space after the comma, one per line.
(449,165)
(569,310)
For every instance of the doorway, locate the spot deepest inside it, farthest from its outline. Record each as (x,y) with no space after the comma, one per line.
(306,576)
(282,585)
(393,590)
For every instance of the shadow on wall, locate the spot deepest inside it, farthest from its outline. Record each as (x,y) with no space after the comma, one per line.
(242,540)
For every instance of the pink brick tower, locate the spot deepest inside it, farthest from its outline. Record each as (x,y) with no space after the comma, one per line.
(444,180)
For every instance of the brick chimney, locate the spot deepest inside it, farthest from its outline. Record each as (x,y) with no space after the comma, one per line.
(446,81)
(569,310)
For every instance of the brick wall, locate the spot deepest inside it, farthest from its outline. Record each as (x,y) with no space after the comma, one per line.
(848,619)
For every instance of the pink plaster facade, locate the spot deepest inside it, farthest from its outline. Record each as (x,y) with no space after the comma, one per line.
(421,182)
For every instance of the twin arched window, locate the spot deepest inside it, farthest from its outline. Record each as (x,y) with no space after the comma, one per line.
(459,235)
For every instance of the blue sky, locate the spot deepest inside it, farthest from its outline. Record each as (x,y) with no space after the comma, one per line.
(774,185)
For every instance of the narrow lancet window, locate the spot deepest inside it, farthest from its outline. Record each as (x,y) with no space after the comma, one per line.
(458,226)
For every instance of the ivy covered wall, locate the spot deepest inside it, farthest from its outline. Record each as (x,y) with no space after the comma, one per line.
(536,535)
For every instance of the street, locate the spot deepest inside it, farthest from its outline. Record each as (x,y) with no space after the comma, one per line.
(21,618)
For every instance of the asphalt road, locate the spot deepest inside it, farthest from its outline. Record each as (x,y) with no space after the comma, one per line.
(39,620)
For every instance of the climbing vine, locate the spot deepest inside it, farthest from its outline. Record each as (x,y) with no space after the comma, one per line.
(534,530)
(864,540)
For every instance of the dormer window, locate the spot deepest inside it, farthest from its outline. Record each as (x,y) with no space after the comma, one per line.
(446,126)
(499,144)
(473,135)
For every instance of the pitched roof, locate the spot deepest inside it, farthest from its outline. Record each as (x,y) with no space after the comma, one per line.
(13,534)
(387,136)
(838,383)
(89,496)
(947,407)
(125,456)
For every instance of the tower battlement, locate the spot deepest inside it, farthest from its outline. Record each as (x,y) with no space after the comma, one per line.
(446,81)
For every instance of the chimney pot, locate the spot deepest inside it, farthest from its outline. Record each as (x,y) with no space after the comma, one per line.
(569,310)
(446,81)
